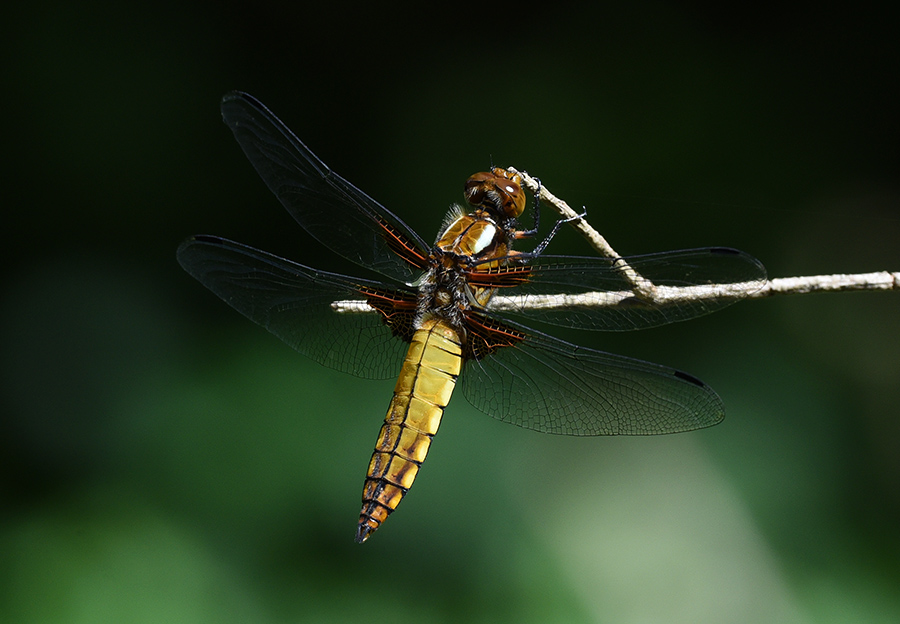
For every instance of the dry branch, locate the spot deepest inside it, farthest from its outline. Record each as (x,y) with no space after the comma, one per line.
(881,280)
(655,294)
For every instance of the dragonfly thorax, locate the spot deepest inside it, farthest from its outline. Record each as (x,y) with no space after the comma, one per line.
(443,294)
(474,237)
(467,239)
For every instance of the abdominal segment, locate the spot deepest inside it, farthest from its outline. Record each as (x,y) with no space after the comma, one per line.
(423,390)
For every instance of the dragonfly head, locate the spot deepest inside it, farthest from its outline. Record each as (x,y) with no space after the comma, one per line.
(498,191)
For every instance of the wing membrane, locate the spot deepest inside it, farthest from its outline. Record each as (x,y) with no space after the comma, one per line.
(294,302)
(602,298)
(330,208)
(551,386)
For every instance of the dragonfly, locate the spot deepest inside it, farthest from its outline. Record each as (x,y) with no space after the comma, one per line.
(433,319)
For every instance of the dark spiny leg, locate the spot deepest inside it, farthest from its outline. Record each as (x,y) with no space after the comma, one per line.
(543,244)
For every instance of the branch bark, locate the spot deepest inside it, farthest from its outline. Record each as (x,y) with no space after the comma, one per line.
(643,289)
(881,280)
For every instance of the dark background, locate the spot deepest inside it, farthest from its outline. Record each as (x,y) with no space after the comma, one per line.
(164,460)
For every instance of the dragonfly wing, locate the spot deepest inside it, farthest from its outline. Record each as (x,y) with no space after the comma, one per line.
(330,208)
(594,293)
(542,383)
(296,303)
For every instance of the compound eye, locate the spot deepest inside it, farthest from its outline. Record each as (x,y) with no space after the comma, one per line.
(510,185)
(475,189)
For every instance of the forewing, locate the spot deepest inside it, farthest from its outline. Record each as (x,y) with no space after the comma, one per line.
(297,304)
(538,382)
(332,210)
(594,293)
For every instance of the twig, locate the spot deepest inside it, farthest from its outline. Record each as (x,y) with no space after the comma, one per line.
(882,280)
(668,295)
(656,294)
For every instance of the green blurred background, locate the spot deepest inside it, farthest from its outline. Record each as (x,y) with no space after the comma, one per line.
(164,460)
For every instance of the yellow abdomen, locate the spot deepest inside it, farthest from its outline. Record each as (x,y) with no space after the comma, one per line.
(423,390)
